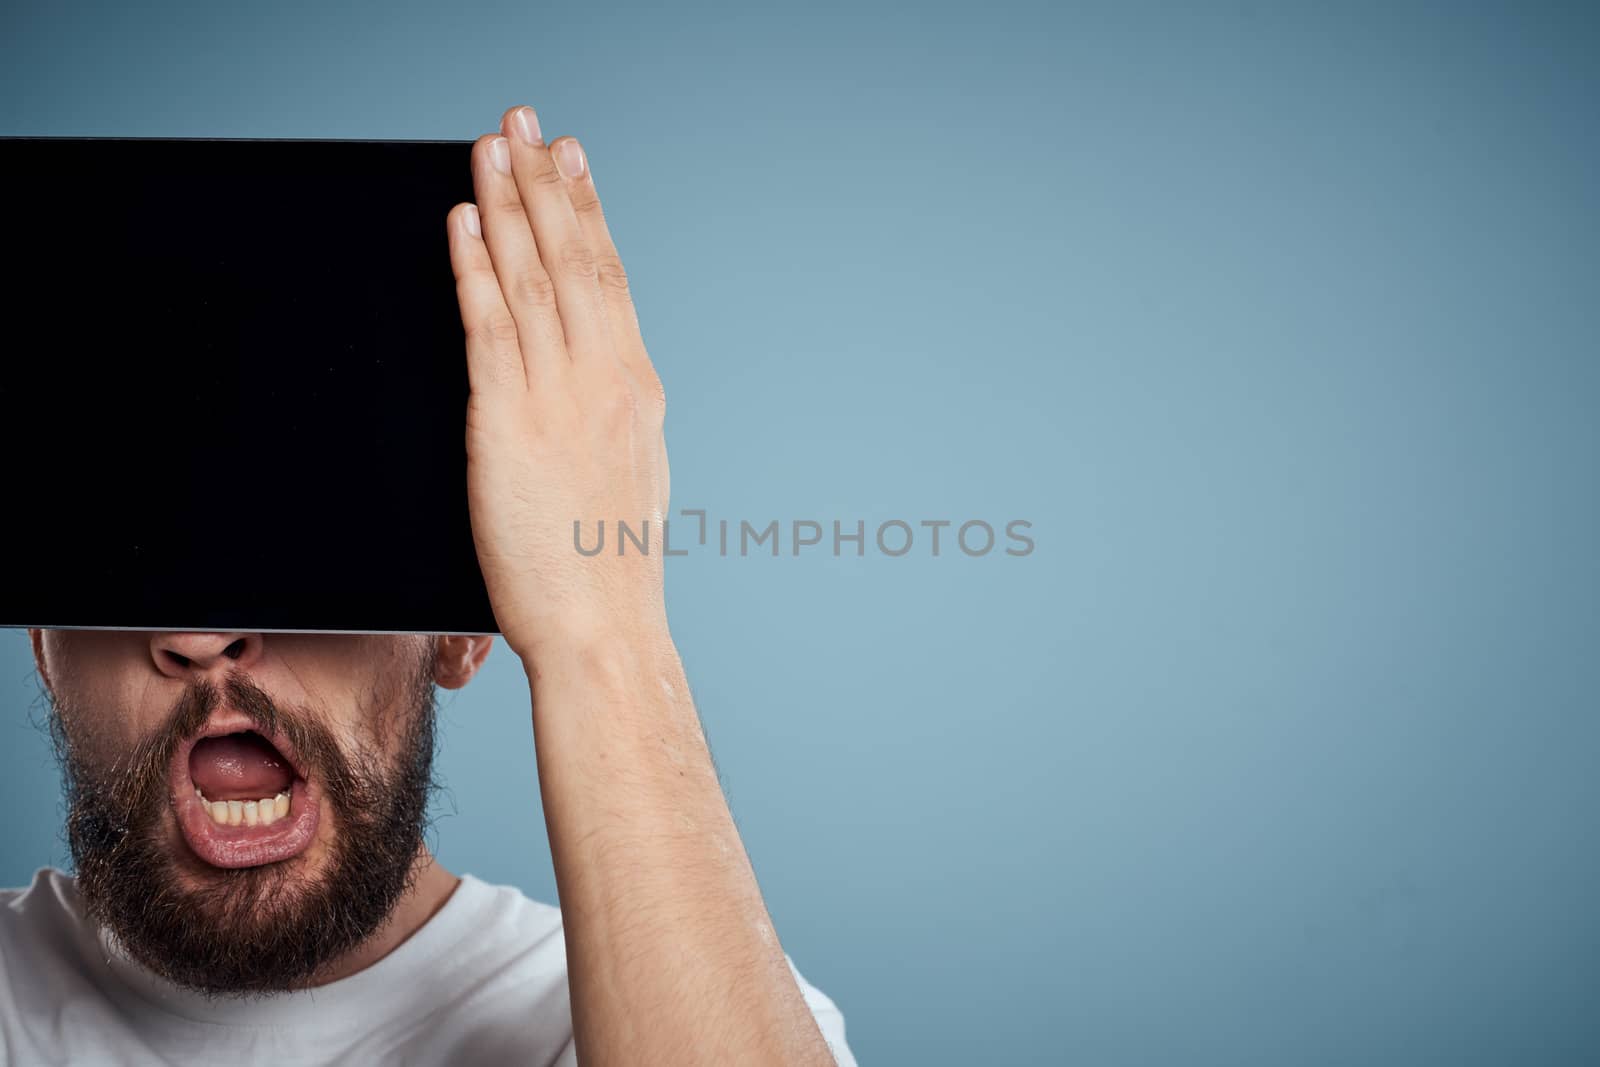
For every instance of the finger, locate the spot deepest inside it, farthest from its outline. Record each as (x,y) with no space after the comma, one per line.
(525,286)
(566,254)
(494,356)
(620,312)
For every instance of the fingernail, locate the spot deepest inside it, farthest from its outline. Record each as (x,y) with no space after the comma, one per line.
(526,123)
(470,217)
(569,159)
(500,155)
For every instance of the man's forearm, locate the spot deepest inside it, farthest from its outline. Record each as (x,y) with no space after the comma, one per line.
(671,954)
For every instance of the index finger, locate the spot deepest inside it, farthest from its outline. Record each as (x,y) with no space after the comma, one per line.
(494,353)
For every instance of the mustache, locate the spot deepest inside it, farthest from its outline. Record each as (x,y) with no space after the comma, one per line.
(201,698)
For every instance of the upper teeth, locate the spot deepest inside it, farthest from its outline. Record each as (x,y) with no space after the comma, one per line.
(264,812)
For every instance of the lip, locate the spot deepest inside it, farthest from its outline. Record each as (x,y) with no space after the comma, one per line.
(244,846)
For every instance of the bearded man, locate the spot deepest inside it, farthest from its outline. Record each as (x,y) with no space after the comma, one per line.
(246,810)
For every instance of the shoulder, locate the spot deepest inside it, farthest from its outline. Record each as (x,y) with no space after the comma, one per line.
(46,950)
(830,1020)
(43,911)
(522,967)
(505,921)
(42,927)
(495,970)
(46,881)
(496,937)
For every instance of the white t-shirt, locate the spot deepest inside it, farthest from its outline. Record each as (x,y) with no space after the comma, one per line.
(484,981)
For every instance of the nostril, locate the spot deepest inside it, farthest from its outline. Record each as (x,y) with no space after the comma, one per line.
(183,653)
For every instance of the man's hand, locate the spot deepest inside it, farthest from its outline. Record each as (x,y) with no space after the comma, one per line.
(564,420)
(671,955)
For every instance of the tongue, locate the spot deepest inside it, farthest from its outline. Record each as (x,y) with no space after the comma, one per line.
(239,767)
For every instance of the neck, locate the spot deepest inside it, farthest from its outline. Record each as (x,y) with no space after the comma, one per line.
(430,886)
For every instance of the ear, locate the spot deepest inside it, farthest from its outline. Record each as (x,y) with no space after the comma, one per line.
(458,658)
(36,639)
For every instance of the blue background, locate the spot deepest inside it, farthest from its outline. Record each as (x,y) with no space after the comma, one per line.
(1278,324)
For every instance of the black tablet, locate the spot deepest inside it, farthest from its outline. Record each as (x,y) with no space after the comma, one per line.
(234,386)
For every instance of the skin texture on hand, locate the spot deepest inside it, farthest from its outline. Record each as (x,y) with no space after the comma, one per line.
(671,954)
(564,420)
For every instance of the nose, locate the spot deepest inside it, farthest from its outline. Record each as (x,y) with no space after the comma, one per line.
(179,655)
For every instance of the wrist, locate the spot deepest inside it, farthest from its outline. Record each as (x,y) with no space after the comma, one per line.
(581,627)
(602,656)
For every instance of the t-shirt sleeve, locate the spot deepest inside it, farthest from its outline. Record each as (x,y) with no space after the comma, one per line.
(830,1020)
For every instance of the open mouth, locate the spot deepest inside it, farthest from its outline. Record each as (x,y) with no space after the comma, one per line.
(242,798)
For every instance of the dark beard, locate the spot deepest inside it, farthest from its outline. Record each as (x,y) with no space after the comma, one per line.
(249,929)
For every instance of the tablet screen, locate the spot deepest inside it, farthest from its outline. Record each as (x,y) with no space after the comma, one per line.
(234,386)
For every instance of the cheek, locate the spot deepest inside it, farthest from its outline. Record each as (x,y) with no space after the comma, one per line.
(108,714)
(104,672)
